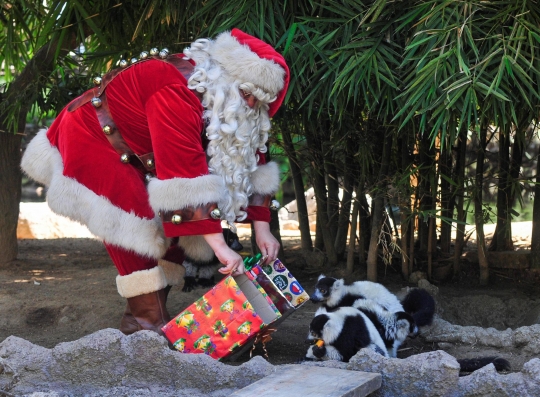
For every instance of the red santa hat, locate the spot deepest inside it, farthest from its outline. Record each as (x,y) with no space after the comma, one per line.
(250,60)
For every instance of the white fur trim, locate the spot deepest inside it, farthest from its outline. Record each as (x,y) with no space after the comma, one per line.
(141,282)
(40,160)
(246,66)
(178,193)
(69,198)
(265,179)
(196,248)
(174,273)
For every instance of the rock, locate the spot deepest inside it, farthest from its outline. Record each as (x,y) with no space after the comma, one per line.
(415,277)
(108,360)
(433,290)
(427,374)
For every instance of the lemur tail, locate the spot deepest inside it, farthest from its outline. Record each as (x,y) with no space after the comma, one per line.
(472,364)
(420,305)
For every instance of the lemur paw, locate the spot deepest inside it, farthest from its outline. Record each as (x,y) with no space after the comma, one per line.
(206,282)
(189,284)
(319,352)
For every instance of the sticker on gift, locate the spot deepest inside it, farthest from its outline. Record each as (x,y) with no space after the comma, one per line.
(267,269)
(187,320)
(205,344)
(279,267)
(281,281)
(300,300)
(203,305)
(288,296)
(296,288)
(180,345)
(244,328)
(220,328)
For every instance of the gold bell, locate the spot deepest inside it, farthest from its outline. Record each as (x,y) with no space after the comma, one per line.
(176,219)
(133,60)
(123,63)
(124,158)
(143,55)
(150,163)
(215,213)
(107,130)
(154,51)
(96,102)
(97,80)
(164,53)
(274,205)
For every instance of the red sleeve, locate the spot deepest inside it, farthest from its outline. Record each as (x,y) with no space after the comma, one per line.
(175,124)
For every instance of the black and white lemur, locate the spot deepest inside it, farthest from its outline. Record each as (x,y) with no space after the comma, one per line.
(344,332)
(393,320)
(383,308)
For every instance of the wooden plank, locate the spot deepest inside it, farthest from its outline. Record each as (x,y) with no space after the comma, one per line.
(303,380)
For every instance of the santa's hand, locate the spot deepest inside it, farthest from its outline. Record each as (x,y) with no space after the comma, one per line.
(267,243)
(231,260)
(232,263)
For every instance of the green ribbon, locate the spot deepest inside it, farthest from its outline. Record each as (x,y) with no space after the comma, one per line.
(251,261)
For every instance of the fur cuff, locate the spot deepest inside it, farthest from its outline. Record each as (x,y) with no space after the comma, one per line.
(141,282)
(178,193)
(41,160)
(174,273)
(266,179)
(262,72)
(196,249)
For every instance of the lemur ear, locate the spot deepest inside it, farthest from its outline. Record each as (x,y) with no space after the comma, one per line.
(321,276)
(339,283)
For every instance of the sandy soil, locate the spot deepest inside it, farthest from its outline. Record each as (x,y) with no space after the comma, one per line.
(63,289)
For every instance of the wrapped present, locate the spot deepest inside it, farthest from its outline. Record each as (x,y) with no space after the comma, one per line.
(223,319)
(274,293)
(287,285)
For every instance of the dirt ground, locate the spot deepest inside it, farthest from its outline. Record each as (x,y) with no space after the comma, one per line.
(60,290)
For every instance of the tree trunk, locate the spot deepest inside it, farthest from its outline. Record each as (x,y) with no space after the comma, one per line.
(298,183)
(365,225)
(323,217)
(404,200)
(447,204)
(535,237)
(430,246)
(344,214)
(459,194)
(352,238)
(332,187)
(18,93)
(478,208)
(426,193)
(377,208)
(10,194)
(502,238)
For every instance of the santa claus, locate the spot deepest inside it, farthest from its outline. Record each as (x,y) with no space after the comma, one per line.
(168,146)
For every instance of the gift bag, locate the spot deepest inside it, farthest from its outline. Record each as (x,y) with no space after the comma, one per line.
(223,319)
(281,280)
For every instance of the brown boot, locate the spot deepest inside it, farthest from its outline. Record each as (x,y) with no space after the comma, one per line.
(128,324)
(146,312)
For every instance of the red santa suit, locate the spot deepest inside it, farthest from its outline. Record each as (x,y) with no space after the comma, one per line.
(157,113)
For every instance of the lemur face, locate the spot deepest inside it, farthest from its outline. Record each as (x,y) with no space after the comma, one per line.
(316,327)
(322,289)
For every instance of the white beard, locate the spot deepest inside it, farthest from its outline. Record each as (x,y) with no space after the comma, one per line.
(235,133)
